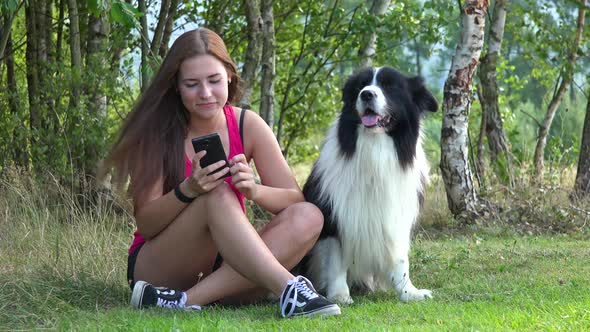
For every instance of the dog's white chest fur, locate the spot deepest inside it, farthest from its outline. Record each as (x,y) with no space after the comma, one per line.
(373,199)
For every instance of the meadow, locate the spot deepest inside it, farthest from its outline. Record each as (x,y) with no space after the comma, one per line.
(63,261)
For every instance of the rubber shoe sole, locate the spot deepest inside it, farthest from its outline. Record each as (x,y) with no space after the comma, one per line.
(137,294)
(321,312)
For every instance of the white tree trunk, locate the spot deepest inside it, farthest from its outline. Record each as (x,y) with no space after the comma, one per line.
(454,162)
(97,61)
(75,52)
(267,93)
(367,50)
(252,58)
(498,24)
(494,128)
(141,7)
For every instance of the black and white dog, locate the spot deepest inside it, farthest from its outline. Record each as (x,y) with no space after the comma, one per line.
(369,182)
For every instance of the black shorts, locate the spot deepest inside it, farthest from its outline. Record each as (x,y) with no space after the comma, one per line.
(131,265)
(133,257)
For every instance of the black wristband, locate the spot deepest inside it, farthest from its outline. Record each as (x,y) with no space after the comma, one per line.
(181,197)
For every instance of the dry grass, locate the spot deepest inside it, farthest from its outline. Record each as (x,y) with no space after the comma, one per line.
(63,261)
(526,208)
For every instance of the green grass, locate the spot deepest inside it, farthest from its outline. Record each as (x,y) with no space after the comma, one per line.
(63,268)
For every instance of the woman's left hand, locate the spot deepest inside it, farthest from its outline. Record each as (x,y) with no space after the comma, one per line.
(242,176)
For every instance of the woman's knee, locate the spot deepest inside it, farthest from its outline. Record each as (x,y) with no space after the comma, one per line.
(220,205)
(221,196)
(306,218)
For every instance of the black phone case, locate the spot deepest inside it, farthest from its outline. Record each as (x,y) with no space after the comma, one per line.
(215,152)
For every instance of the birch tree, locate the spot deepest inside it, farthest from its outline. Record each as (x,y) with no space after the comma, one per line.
(97,63)
(567,77)
(267,94)
(144,41)
(368,49)
(494,129)
(75,53)
(252,57)
(454,162)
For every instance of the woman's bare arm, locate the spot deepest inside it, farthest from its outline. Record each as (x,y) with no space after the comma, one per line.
(278,188)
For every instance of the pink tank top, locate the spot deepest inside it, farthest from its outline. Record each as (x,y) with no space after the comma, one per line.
(235,147)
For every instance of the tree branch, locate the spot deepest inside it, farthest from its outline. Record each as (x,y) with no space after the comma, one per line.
(539,124)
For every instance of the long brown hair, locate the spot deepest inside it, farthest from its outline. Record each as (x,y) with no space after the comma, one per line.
(151,141)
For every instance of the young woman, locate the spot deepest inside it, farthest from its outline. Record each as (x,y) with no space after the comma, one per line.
(193,239)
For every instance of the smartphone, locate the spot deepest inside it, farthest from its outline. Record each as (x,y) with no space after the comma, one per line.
(215,152)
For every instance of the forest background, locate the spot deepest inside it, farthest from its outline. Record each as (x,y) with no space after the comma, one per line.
(72,70)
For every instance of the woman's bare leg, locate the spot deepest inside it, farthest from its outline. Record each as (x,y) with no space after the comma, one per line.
(188,246)
(289,236)
(241,246)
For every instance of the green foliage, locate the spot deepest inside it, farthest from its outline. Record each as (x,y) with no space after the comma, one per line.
(71,140)
(537,40)
(309,81)
(317,45)
(8,7)
(410,27)
(96,7)
(309,54)
(431,136)
(521,125)
(502,168)
(564,142)
(125,14)
(121,12)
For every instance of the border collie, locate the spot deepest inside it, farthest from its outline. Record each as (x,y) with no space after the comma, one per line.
(369,183)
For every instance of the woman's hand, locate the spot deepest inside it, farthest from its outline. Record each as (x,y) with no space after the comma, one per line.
(242,176)
(199,182)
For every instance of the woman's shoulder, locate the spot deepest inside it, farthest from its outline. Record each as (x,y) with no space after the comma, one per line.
(255,129)
(251,118)
(237,111)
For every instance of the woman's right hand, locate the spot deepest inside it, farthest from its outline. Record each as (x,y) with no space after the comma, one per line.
(199,182)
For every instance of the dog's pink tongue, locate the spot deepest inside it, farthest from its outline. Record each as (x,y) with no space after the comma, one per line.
(370,120)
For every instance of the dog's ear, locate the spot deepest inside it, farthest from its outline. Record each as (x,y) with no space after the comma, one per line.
(421,96)
(349,91)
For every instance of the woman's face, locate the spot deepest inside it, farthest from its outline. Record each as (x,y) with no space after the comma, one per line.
(203,85)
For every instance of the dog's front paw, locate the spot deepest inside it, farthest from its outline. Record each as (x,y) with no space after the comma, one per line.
(341,299)
(415,295)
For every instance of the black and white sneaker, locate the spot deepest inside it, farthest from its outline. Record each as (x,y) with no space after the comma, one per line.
(145,295)
(300,299)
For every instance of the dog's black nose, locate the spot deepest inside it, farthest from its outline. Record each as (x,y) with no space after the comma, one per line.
(367,95)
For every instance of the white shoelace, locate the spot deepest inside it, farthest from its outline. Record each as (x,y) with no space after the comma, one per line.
(163,303)
(181,304)
(295,286)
